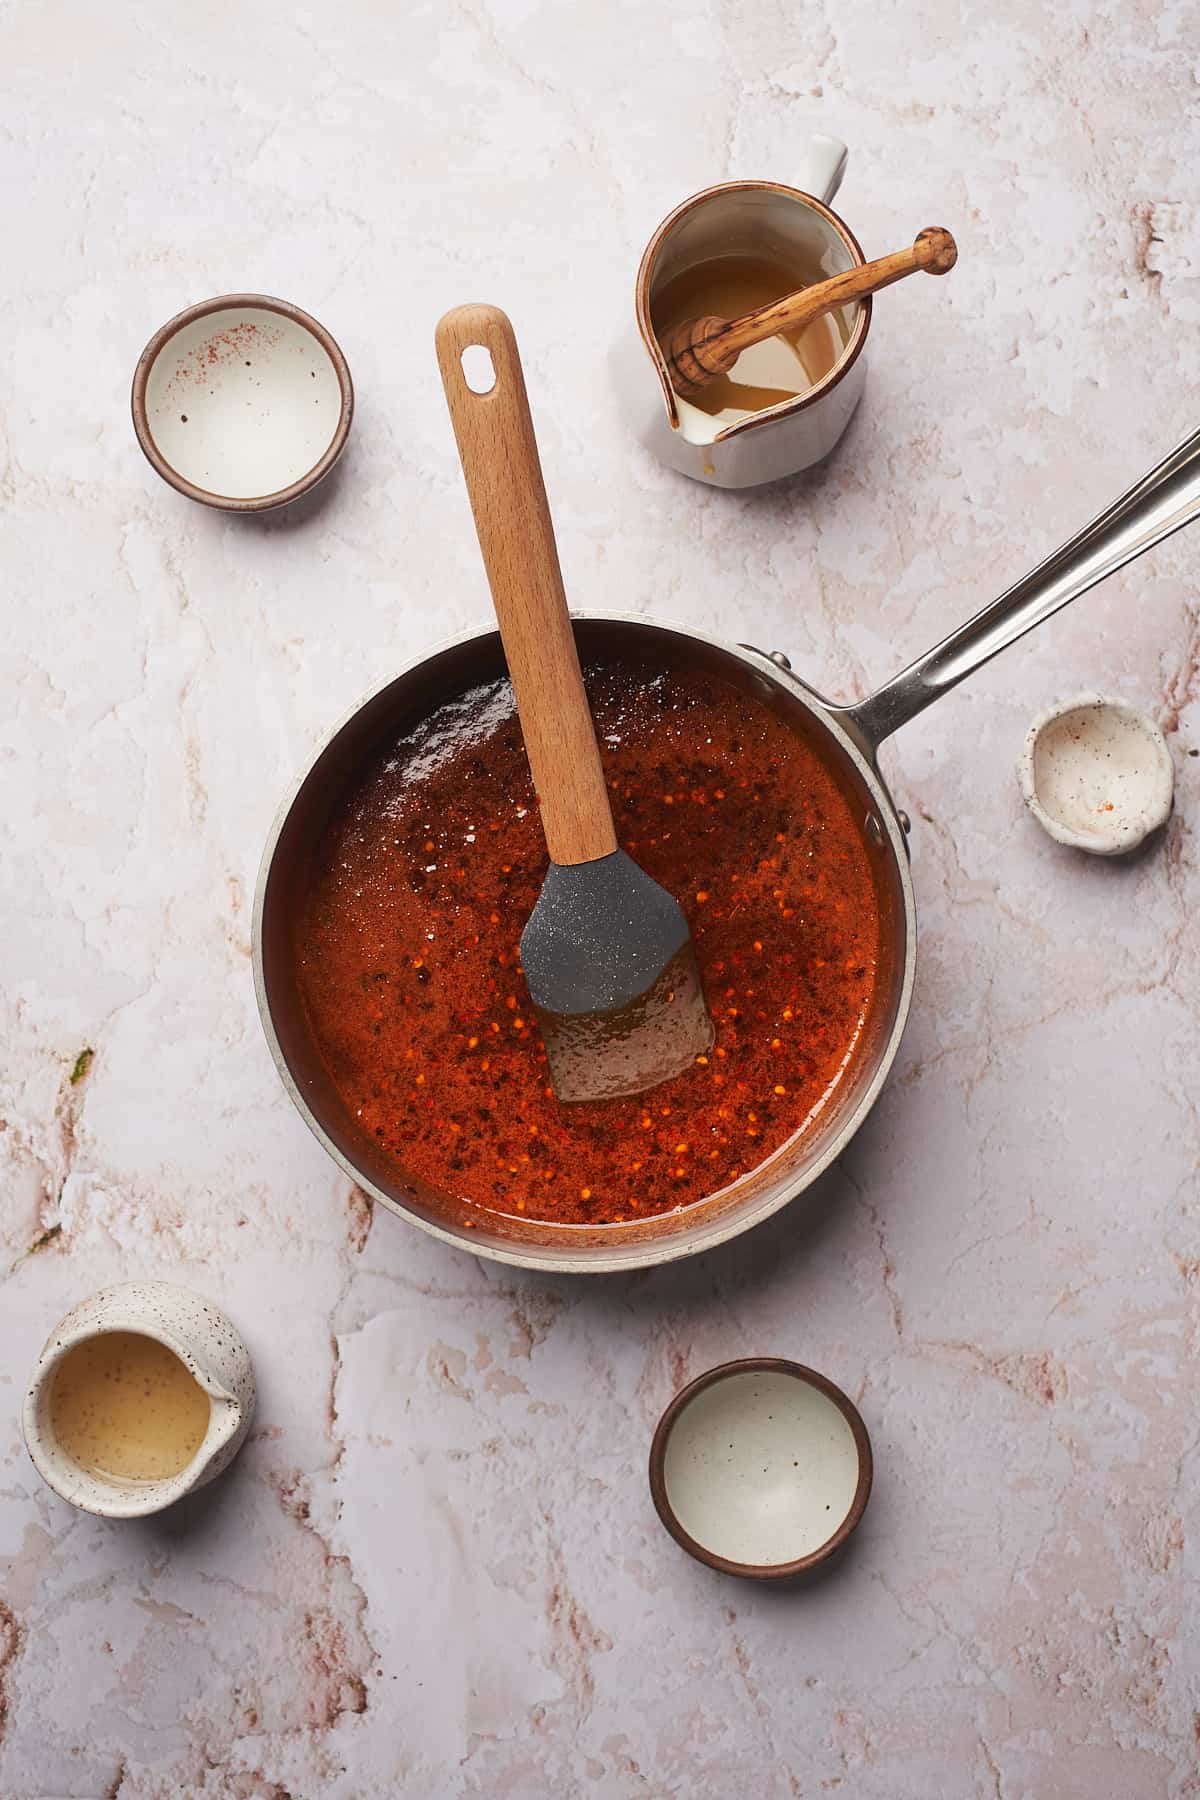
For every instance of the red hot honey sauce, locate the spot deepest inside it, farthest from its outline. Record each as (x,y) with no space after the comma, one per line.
(410,970)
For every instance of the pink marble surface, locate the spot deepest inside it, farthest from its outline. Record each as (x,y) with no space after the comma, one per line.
(435,1569)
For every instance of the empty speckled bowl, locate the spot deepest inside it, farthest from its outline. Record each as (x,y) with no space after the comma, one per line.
(761,1468)
(243,402)
(1096,774)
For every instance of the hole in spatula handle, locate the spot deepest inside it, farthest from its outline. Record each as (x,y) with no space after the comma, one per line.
(479,371)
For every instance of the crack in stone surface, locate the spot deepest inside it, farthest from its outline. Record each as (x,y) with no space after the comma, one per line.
(12,1639)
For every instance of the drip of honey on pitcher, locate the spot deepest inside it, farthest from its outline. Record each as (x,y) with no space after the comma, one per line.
(766,374)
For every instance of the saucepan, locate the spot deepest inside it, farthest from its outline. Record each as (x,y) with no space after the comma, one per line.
(848,738)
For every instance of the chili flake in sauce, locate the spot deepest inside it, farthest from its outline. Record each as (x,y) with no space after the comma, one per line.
(409,965)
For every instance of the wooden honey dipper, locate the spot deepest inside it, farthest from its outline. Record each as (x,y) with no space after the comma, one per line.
(700,350)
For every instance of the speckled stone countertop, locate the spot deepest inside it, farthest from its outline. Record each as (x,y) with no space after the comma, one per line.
(435,1570)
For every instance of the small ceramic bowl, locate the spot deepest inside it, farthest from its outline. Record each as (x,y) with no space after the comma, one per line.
(761,1468)
(242,402)
(1096,774)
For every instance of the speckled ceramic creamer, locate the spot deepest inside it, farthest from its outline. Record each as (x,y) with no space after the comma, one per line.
(210,1349)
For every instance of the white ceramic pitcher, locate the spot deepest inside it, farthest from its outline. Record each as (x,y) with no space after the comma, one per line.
(210,1349)
(747,217)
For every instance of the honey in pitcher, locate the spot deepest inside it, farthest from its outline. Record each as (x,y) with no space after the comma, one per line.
(725,287)
(125,1407)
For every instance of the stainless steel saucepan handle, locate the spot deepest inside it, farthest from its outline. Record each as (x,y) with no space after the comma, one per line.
(1160,503)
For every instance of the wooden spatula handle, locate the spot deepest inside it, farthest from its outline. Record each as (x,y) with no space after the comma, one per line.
(512,518)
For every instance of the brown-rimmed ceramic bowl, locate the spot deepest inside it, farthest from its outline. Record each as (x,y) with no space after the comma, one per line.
(762,1468)
(242,402)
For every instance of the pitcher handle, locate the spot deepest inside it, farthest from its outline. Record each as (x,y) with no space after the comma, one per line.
(822,165)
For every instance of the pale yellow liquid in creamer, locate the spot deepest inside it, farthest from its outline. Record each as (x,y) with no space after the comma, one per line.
(124,1405)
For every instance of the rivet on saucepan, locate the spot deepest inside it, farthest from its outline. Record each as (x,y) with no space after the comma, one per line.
(874,830)
(905,822)
(780,660)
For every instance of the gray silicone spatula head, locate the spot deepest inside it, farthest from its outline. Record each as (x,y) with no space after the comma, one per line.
(607,953)
(611,969)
